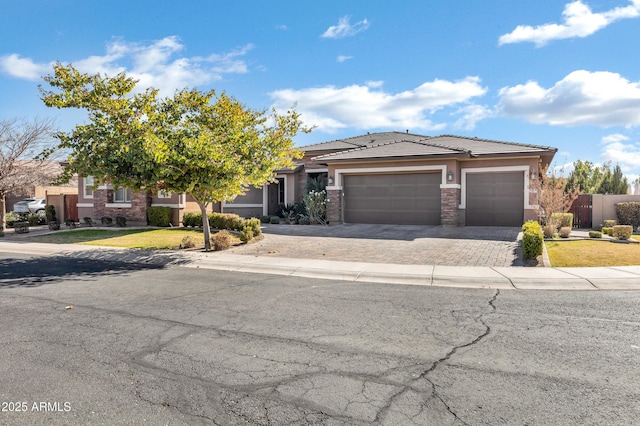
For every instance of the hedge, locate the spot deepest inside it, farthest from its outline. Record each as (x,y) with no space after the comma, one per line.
(628,213)
(159,216)
(532,239)
(228,221)
(622,232)
(192,219)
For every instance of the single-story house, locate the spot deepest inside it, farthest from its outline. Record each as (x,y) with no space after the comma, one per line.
(384,178)
(48,170)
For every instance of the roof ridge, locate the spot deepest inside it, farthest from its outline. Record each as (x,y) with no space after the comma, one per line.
(475,138)
(349,141)
(424,142)
(359,148)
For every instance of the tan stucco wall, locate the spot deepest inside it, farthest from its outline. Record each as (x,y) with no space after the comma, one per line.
(604,207)
(43,191)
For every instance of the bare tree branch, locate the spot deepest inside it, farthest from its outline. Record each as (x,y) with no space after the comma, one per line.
(25,157)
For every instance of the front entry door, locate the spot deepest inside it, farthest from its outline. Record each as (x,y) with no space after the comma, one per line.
(275,196)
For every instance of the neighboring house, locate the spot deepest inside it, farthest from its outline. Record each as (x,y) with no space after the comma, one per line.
(43,189)
(385,178)
(107,201)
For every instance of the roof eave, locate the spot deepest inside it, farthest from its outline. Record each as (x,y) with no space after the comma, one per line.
(328,159)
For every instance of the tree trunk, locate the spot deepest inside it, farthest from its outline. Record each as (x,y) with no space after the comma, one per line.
(3,221)
(206,230)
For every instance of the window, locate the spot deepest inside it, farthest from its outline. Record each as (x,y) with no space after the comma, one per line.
(122,195)
(88,187)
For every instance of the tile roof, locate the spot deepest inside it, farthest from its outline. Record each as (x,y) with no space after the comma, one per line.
(370,139)
(397,144)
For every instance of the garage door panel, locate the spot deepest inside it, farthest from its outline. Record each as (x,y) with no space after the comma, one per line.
(412,198)
(495,199)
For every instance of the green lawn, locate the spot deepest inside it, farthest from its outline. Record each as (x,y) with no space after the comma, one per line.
(593,253)
(152,239)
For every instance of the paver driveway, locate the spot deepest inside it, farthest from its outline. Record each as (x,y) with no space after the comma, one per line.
(401,244)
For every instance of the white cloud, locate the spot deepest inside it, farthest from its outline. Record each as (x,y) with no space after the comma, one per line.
(562,169)
(581,98)
(157,64)
(343,58)
(471,115)
(345,29)
(366,107)
(618,152)
(579,21)
(24,68)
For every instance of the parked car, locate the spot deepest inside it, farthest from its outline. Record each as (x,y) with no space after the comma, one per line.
(30,206)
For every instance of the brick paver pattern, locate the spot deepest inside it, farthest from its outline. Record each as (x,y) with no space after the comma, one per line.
(399,244)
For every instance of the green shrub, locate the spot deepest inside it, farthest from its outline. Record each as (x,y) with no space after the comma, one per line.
(274,220)
(10,218)
(622,232)
(246,234)
(265,219)
(216,220)
(562,220)
(159,216)
(532,239)
(254,225)
(607,231)
(315,204)
(221,240)
(628,213)
(595,234)
(610,223)
(50,213)
(121,221)
(229,221)
(192,219)
(33,219)
(304,220)
(565,231)
(288,213)
(233,222)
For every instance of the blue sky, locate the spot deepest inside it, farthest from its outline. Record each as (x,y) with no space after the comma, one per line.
(564,74)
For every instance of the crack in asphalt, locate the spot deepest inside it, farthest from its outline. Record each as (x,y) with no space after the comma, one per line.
(160,343)
(382,413)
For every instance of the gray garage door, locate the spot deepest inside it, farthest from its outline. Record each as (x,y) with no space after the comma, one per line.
(495,199)
(403,199)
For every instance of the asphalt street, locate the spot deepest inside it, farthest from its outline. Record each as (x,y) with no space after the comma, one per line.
(87,341)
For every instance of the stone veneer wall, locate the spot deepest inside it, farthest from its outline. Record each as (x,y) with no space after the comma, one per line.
(136,214)
(334,206)
(449,212)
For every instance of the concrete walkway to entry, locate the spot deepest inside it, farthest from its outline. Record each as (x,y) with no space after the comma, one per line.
(314,256)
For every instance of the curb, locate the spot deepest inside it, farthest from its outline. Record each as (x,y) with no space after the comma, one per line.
(514,278)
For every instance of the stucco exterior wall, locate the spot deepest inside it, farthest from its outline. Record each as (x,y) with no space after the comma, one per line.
(604,207)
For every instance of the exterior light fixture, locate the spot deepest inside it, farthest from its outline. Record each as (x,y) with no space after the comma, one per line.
(330,180)
(449,176)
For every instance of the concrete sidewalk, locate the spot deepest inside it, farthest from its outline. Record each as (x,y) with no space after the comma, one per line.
(523,278)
